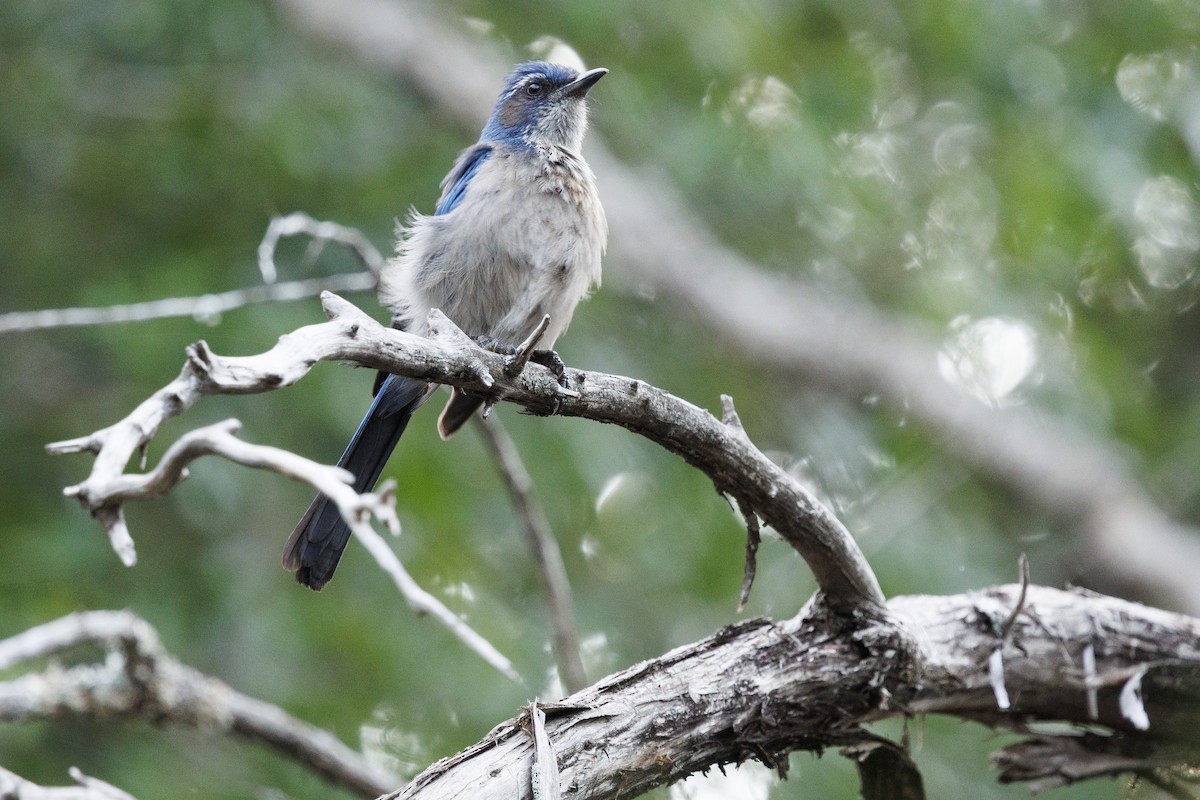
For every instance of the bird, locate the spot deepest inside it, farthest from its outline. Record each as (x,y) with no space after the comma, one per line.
(517,234)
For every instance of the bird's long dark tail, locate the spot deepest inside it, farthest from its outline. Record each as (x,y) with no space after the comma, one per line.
(317,543)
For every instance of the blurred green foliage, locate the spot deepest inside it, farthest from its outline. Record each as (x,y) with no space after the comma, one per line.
(950,162)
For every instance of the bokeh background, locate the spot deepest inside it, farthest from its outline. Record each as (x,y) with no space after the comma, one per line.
(1016,180)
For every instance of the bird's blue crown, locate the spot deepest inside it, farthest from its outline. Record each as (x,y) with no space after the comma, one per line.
(530,107)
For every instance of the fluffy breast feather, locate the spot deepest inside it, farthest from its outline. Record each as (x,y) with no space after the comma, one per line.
(525,240)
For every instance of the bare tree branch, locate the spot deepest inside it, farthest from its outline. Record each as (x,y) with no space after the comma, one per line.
(448,356)
(753,540)
(138,678)
(546,554)
(1050,762)
(14,787)
(210,306)
(106,500)
(204,307)
(320,232)
(760,690)
(757,690)
(853,350)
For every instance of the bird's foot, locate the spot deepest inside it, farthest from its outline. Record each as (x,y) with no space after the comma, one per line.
(553,362)
(517,357)
(494,345)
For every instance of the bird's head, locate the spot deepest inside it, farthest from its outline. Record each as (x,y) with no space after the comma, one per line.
(542,103)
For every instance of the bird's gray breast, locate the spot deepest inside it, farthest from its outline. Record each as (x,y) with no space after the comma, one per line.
(525,241)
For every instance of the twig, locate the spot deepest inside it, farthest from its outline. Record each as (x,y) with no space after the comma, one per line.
(730,418)
(546,553)
(210,306)
(139,678)
(996,659)
(203,307)
(1090,681)
(543,773)
(1019,606)
(517,361)
(14,787)
(301,224)
(753,539)
(421,602)
(106,500)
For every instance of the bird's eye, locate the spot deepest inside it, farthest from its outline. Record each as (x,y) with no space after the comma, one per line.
(533,88)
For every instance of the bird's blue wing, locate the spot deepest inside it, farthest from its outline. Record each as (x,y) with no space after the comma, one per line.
(454,185)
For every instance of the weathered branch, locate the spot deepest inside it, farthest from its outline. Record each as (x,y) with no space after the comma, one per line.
(1050,762)
(721,451)
(756,690)
(105,495)
(759,690)
(138,678)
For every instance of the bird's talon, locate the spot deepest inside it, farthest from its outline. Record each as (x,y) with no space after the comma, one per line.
(553,362)
(494,345)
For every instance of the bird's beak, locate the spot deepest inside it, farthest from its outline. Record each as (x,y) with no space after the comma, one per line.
(580,86)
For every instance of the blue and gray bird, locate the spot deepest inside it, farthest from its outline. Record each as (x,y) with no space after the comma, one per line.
(517,234)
